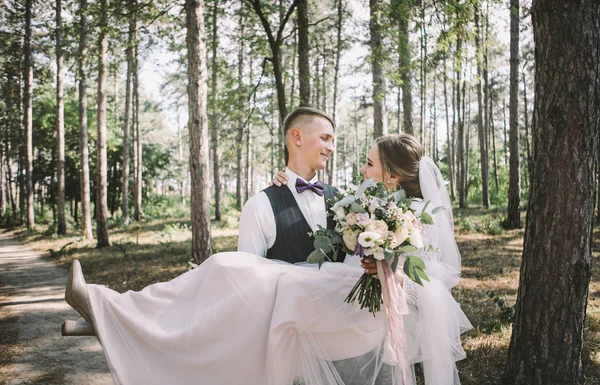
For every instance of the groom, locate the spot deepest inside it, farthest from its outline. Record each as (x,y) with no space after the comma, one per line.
(275,222)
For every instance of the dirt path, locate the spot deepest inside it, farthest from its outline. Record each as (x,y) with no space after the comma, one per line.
(32,309)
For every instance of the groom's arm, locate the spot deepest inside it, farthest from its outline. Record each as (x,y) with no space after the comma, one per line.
(257,226)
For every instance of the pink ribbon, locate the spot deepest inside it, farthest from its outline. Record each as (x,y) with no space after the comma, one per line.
(394,302)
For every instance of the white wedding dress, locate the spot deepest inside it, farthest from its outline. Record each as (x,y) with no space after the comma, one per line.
(243,319)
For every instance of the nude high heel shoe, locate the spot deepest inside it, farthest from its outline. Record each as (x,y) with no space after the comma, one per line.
(77,328)
(76,292)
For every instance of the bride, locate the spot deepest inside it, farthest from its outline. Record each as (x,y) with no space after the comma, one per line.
(242,319)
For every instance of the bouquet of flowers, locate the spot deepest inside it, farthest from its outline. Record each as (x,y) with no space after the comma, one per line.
(379,224)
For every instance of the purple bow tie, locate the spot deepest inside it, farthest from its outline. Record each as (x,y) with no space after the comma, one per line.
(302,185)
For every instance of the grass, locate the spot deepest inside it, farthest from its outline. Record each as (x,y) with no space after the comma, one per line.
(159,250)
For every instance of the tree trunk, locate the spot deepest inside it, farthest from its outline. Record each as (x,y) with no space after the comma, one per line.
(377,62)
(505,132)
(214,118)
(336,75)
(128,104)
(448,133)
(241,109)
(137,141)
(423,73)
(198,128)
(493,134)
(275,41)
(60,123)
(526,112)
(483,152)
(2,179)
(101,185)
(86,217)
(303,53)
(28,110)
(513,219)
(460,150)
(402,14)
(546,346)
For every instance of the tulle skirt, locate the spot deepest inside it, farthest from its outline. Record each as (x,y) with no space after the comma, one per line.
(242,319)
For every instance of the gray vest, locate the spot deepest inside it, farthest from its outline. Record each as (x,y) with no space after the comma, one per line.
(292,243)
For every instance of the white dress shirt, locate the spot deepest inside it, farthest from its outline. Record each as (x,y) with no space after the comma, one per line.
(257,221)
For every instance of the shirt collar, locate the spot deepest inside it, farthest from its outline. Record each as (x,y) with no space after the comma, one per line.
(292,176)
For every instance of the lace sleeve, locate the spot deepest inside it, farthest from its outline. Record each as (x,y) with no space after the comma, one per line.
(429,253)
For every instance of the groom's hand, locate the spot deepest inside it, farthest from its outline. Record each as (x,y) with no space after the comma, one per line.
(280,179)
(369,266)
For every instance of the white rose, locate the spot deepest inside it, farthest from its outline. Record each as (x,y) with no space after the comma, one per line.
(338,211)
(409,217)
(373,205)
(416,238)
(368,238)
(393,240)
(350,238)
(378,227)
(401,234)
(363,219)
(378,254)
(351,219)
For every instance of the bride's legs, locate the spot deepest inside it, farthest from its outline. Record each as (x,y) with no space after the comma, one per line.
(76,295)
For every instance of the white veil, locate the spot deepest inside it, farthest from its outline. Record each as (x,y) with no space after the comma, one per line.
(433,188)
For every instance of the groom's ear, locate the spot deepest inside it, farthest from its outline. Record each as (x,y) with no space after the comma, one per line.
(295,135)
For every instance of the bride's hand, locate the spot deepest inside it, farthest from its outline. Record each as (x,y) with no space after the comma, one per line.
(280,179)
(369,266)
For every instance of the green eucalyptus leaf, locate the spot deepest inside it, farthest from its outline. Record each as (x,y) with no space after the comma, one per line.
(407,249)
(315,257)
(399,196)
(356,208)
(426,219)
(364,186)
(388,255)
(395,263)
(438,209)
(322,242)
(426,205)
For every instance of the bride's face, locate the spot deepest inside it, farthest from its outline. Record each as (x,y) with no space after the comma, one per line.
(373,169)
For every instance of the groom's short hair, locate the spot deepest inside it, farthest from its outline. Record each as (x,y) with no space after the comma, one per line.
(293,116)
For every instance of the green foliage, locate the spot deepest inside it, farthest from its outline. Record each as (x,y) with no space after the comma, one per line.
(165,207)
(507,312)
(171,229)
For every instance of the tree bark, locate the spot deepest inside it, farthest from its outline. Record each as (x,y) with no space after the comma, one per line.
(275,41)
(60,123)
(377,61)
(336,75)
(483,151)
(198,128)
(137,141)
(513,217)
(241,109)
(460,150)
(402,9)
(27,117)
(448,132)
(101,185)
(423,73)
(493,134)
(303,53)
(214,119)
(86,217)
(127,120)
(547,338)
(526,117)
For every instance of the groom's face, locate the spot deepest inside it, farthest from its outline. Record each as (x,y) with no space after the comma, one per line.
(317,143)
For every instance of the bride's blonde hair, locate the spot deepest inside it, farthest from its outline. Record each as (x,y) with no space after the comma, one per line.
(400,155)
